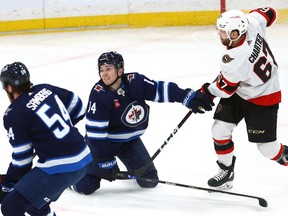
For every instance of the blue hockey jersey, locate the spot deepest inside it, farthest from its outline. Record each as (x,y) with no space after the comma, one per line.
(42,121)
(122,115)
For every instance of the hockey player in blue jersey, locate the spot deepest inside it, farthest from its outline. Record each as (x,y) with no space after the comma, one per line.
(40,121)
(117,116)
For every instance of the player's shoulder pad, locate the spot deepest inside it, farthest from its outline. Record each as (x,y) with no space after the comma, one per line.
(42,85)
(235,57)
(130,77)
(101,95)
(49,87)
(99,87)
(269,13)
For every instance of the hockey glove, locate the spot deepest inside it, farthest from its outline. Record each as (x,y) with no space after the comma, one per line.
(108,168)
(197,101)
(205,90)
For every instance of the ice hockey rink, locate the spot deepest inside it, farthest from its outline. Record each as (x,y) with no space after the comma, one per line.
(188,56)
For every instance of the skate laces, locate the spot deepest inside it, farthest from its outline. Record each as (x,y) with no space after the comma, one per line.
(221,175)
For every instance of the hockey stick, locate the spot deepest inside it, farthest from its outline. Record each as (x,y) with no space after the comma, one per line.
(139,172)
(124,175)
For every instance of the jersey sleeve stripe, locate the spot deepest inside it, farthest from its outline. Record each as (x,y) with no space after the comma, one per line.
(22,148)
(268,13)
(23,162)
(66,164)
(97,124)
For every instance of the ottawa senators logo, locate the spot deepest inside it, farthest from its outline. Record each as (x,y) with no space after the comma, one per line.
(135,114)
(218,108)
(226,59)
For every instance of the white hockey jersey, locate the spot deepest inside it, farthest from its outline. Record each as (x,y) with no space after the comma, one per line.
(250,69)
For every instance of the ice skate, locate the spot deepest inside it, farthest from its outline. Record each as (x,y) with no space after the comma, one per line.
(223,180)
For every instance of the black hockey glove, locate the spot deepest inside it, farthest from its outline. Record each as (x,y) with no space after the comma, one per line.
(205,90)
(197,101)
(108,168)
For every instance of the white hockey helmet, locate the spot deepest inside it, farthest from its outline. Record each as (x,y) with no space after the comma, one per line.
(232,20)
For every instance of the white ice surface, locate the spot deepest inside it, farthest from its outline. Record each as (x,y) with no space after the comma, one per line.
(188,56)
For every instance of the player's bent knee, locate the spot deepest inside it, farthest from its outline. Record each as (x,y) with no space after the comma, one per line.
(150,175)
(222,130)
(13,204)
(269,149)
(87,185)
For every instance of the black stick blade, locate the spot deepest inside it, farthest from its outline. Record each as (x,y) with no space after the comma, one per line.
(263,202)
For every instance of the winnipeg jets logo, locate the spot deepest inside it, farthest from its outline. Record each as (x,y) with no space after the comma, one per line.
(135,114)
(226,59)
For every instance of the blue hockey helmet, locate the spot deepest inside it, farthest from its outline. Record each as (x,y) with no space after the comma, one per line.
(112,57)
(15,74)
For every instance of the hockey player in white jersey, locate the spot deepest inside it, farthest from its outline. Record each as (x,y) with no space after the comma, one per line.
(249,89)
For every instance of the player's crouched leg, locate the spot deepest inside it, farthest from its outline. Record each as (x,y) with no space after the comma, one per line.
(149,175)
(16,204)
(45,210)
(87,185)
